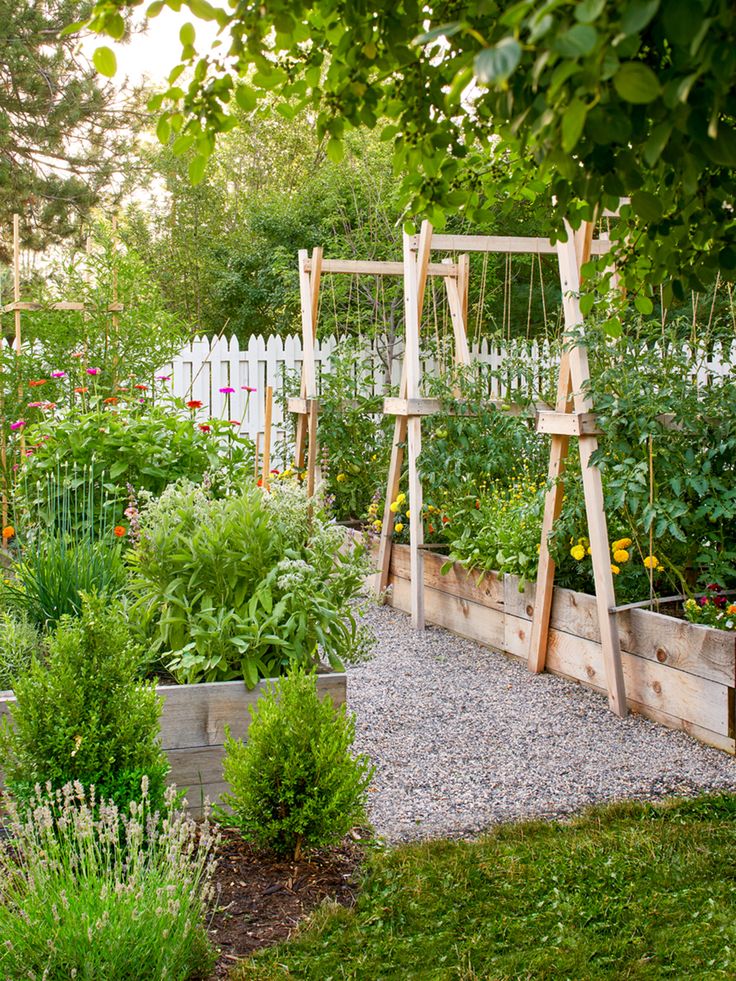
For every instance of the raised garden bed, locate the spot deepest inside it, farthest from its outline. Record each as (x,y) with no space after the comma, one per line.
(678,673)
(193,723)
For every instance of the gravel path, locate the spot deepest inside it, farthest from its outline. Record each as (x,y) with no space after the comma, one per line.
(463,737)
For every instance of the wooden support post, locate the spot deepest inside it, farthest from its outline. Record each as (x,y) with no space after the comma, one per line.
(257,458)
(574,373)
(309,283)
(463,284)
(400,434)
(459,323)
(266,472)
(16,298)
(312,455)
(114,306)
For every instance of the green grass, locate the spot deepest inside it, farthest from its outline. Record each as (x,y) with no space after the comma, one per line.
(627,891)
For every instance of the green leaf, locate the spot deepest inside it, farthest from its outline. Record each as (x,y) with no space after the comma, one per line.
(187,34)
(647,206)
(586,303)
(589,10)
(246,97)
(335,150)
(656,143)
(643,304)
(577,42)
(105,61)
(163,130)
(573,122)
(493,65)
(196,168)
(443,30)
(115,27)
(204,10)
(637,15)
(636,83)
(155,8)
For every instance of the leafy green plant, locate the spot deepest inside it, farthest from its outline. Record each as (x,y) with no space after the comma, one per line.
(91,891)
(19,643)
(84,715)
(294,783)
(245,586)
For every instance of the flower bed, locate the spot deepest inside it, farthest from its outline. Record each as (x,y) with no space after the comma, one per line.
(680,674)
(193,724)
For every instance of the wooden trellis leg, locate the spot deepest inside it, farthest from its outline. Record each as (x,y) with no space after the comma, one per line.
(577,371)
(401,427)
(309,293)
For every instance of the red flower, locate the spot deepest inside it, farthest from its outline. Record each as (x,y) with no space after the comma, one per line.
(81,391)
(36,382)
(119,531)
(194,404)
(112,400)
(143,388)
(205,428)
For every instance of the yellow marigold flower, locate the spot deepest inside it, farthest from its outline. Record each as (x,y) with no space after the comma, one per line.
(621,555)
(589,550)
(577,552)
(401,498)
(398,527)
(621,543)
(378,524)
(651,562)
(408,513)
(341,478)
(615,569)
(394,507)
(373,508)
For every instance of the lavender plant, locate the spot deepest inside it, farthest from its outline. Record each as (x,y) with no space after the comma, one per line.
(90,891)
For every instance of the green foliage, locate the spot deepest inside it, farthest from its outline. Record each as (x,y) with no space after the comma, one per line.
(118,446)
(54,573)
(19,644)
(246,586)
(629,891)
(582,103)
(294,783)
(84,898)
(84,715)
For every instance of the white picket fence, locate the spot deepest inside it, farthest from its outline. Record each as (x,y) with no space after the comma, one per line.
(207,366)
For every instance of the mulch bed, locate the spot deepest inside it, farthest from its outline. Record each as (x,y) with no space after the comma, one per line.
(261,899)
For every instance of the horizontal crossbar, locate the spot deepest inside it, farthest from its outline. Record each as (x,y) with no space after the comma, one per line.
(368,267)
(567,423)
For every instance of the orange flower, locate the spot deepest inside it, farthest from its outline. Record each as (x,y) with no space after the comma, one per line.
(8,532)
(119,531)
(36,382)
(112,400)
(81,391)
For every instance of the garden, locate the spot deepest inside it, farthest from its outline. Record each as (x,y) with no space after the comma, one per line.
(324,694)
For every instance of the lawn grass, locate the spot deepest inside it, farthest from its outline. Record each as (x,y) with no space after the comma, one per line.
(625,891)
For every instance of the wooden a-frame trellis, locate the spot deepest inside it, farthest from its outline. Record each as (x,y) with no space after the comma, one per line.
(311,269)
(571,417)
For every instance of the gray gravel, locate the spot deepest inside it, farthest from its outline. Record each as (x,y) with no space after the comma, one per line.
(464,737)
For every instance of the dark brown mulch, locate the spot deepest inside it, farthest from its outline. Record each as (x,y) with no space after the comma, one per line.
(262,898)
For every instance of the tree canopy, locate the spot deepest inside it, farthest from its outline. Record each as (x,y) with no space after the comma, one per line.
(59,143)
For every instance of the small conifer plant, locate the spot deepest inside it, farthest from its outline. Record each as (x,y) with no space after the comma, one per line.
(296,784)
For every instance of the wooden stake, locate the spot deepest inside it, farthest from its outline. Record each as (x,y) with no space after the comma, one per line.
(16,297)
(257,458)
(115,315)
(312,457)
(266,472)
(309,283)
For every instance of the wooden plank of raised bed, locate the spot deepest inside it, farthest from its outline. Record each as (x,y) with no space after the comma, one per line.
(196,715)
(480,623)
(196,796)
(690,647)
(194,766)
(457,582)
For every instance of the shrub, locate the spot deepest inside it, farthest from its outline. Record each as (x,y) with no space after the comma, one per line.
(83,715)
(295,784)
(18,644)
(88,892)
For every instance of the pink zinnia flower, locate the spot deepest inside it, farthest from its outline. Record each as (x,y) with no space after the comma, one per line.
(227,390)
(35,405)
(248,388)
(58,374)
(163,378)
(93,371)
(78,354)
(18,424)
